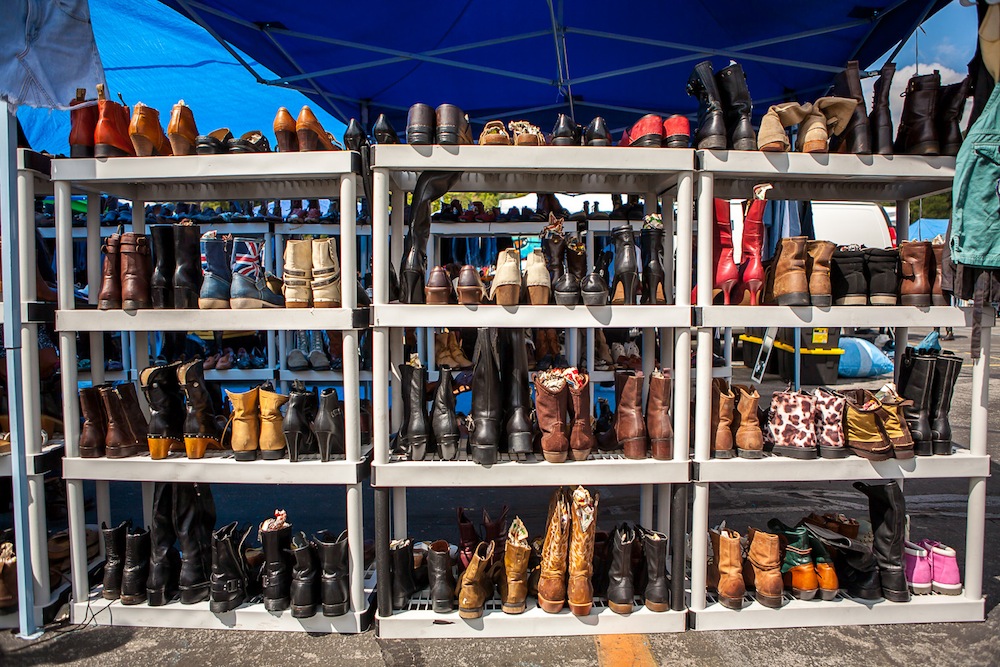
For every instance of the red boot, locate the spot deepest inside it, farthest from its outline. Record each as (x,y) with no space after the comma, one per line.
(83,121)
(676,132)
(111,138)
(752,278)
(727,273)
(647,132)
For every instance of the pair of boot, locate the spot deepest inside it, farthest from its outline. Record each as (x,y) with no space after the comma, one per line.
(930,121)
(861,276)
(448,351)
(234,275)
(638,435)
(734,421)
(567,564)
(623,577)
(874,424)
(447,125)
(145,564)
(430,186)
(307,352)
(724,108)
(927,379)
(101,129)
(313,424)
(320,574)
(511,287)
(803,425)
(747,277)
(652,131)
(562,408)
(920,264)
(176,279)
(730,575)
(548,350)
(114,424)
(501,404)
(126,272)
(311,273)
(256,423)
(625,282)
(817,122)
(799,273)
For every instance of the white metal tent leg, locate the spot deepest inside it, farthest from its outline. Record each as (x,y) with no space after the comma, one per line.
(699,545)
(975,538)
(901,334)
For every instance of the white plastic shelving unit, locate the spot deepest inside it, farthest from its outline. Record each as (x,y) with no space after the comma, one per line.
(659,175)
(200,178)
(732,174)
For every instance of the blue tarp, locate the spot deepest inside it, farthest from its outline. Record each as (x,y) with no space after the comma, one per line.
(925,229)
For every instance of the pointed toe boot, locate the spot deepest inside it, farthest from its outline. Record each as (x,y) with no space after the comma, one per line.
(551,405)
(514,583)
(329,425)
(651,248)
(552,578)
(514,371)
(580,567)
(383,131)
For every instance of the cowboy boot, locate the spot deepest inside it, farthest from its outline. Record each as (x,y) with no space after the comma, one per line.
(245,438)
(201,428)
(487,411)
(194,520)
(161,283)
(736,107)
(476,585)
(658,426)
(164,560)
(136,271)
(722,420)
(551,403)
(579,589)
(880,119)
(163,394)
(187,277)
(329,425)
(856,137)
(552,579)
(272,436)
(630,427)
(711,123)
(514,584)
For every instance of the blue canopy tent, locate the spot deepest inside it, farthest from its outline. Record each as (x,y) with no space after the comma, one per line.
(925,229)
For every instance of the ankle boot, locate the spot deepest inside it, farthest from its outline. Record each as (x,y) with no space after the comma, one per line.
(413,438)
(431,185)
(335,584)
(797,567)
(626,267)
(727,273)
(329,425)
(272,437)
(468,539)
(887,511)
(296,274)
(229,568)
(166,409)
(819,254)
(297,424)
(537,279)
(581,433)
(505,289)
(304,589)
(443,420)
(752,271)
(325,273)
(725,570)
(723,401)
(737,108)
(187,276)
(83,123)
(828,119)
(711,123)
(749,438)
(201,428)
(828,418)
(881,271)
(579,589)
(651,248)
(658,426)
(476,585)
(403,585)
(621,590)
(111,136)
(551,404)
(552,578)
(487,411)
(161,289)
(126,427)
(791,286)
(518,425)
(164,559)
(880,119)
(441,579)
(916,384)
(847,278)
(950,105)
(856,138)
(216,286)
(92,433)
(245,437)
(916,260)
(863,426)
(656,594)
(277,574)
(251,287)
(792,427)
(762,568)
(194,520)
(917,134)
(514,580)
(146,133)
(114,558)
(136,270)
(947,366)
(630,427)
(858,571)
(136,569)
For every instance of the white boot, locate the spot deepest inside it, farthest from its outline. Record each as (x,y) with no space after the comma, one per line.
(296,274)
(325,273)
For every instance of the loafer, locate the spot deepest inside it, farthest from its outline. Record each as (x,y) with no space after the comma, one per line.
(253,141)
(564,133)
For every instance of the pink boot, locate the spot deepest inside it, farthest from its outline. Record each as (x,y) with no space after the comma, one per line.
(917,566)
(944,568)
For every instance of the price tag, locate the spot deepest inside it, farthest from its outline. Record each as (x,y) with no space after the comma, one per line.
(821,335)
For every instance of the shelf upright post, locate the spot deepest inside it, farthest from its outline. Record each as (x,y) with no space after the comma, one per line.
(93,254)
(902,334)
(646,497)
(975,542)
(398,202)
(590,337)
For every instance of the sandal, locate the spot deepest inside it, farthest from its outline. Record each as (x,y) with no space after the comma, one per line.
(253,141)
(494,134)
(526,134)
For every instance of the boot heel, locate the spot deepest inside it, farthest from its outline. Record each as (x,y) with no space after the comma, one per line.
(579,454)
(519,443)
(448,448)
(538,295)
(159,448)
(794,299)
(338,609)
(196,446)
(754,287)
(941,447)
(143,146)
(180,146)
(107,150)
(580,609)
(185,299)
(412,287)
(417,449)
(727,289)
(326,445)
(621,609)
(623,289)
(814,147)
(303,611)
(556,457)
(437,296)
(287,141)
(469,296)
(508,295)
(294,441)
(159,295)
(194,595)
(484,455)
(308,140)
(156,598)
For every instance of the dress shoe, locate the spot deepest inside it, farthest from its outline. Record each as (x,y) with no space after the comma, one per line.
(311,135)
(420,124)
(470,288)
(354,136)
(564,132)
(284,131)
(438,290)
(597,133)
(676,132)
(452,126)
(182,130)
(214,143)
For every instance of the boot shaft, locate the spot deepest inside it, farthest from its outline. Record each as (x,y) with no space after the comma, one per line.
(165,399)
(882,274)
(216,256)
(83,117)
(110,296)
(161,282)
(917,132)
(916,270)
(245,420)
(951,104)
(880,119)
(136,270)
(248,259)
(792,423)
(92,433)
(737,107)
(326,291)
(200,410)
(625,257)
(187,277)
(111,135)
(651,248)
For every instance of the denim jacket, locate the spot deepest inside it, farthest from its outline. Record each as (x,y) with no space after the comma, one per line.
(975,225)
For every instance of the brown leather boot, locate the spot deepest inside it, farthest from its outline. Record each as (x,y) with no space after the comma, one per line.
(136,270)
(245,424)
(146,132)
(630,427)
(917,273)
(552,579)
(83,122)
(791,287)
(126,432)
(182,131)
(579,589)
(818,256)
(476,585)
(722,420)
(111,138)
(272,434)
(551,398)
(658,426)
(762,569)
(581,434)
(110,296)
(749,438)
(92,433)
(514,584)
(726,568)
(937,295)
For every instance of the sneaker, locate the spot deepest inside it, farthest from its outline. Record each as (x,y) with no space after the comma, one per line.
(945,578)
(917,566)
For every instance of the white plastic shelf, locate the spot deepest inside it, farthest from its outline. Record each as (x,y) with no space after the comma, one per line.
(840,316)
(317,228)
(285,375)
(602,468)
(840,611)
(419,621)
(240,375)
(784,469)
(287,319)
(532,229)
(6,465)
(218,467)
(420,315)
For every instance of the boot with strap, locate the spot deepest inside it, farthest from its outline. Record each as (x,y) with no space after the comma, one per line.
(579,589)
(110,295)
(164,559)
(701,84)
(201,427)
(230,575)
(272,437)
(887,511)
(166,409)
(245,420)
(552,577)
(296,274)
(737,108)
(194,521)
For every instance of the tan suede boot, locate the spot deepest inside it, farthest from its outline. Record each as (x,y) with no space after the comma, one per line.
(476,586)
(722,420)
(772,136)
(505,288)
(552,579)
(272,435)
(749,438)
(818,257)
(726,569)
(325,273)
(791,286)
(762,569)
(830,117)
(297,273)
(8,576)
(455,347)
(442,355)
(245,424)
(537,279)
(514,584)
(580,590)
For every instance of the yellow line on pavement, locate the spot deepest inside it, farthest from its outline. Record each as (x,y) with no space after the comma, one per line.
(624,651)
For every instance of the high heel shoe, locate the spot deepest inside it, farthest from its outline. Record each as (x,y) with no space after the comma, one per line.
(651,247)
(626,267)
(297,425)
(329,425)
(752,274)
(727,273)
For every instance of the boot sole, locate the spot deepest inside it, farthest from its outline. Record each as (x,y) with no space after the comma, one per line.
(795,452)
(852,300)
(134,304)
(130,600)
(511,608)
(303,611)
(731,603)
(246,303)
(213,304)
(716,143)
(196,446)
(518,443)
(159,448)
(821,300)
(556,457)
(801,594)
(882,299)
(246,455)
(794,299)
(436,296)
(551,606)
(579,454)
(827,595)
(751,453)
(827,452)
(941,447)
(722,453)
(447,606)
(470,613)
(335,609)
(484,455)
(581,609)
(771,601)
(745,145)
(595,299)
(915,299)
(622,609)
(278,604)
(658,607)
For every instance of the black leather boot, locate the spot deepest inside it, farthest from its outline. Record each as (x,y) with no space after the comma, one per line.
(917,134)
(335,584)
(194,521)
(161,289)
(554,249)
(202,430)
(443,421)
(737,108)
(880,119)
(187,274)
(229,568)
(415,430)
(164,559)
(441,579)
(847,277)
(136,567)
(657,591)
(166,409)
(857,137)
(857,571)
(430,186)
(277,575)
(621,590)
(916,381)
(887,511)
(403,585)
(297,425)
(651,247)
(947,366)
(597,133)
(518,427)
(484,437)
(626,267)
(304,590)
(951,103)
(114,558)
(711,123)
(329,425)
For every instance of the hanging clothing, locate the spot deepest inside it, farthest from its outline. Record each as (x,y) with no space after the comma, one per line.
(782,218)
